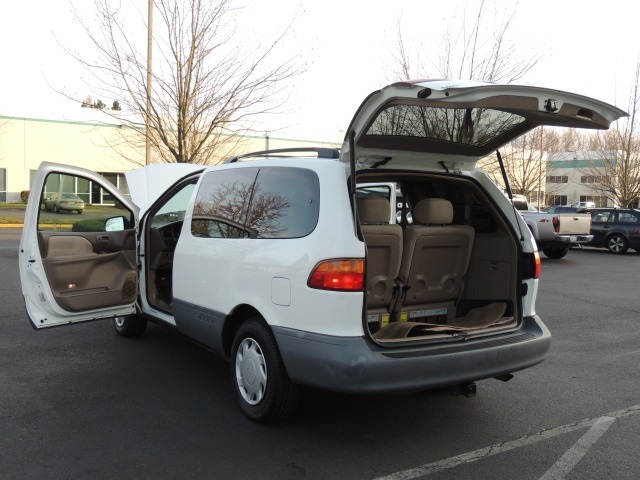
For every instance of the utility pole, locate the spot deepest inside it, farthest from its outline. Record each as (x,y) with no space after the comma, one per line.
(149,69)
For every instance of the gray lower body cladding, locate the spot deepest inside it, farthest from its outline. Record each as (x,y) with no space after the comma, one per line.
(357,365)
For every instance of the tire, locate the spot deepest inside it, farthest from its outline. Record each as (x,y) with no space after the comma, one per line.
(79,212)
(56,209)
(637,250)
(617,243)
(262,387)
(555,252)
(130,326)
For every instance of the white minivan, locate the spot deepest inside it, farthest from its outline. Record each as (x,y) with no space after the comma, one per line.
(302,268)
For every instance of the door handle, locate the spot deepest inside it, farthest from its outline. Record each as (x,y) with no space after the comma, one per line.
(103,239)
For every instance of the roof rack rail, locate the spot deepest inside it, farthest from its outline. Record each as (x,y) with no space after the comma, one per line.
(281,152)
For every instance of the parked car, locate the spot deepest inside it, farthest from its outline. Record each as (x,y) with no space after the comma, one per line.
(583,204)
(616,229)
(280,266)
(555,233)
(68,202)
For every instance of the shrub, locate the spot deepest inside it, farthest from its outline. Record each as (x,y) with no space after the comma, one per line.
(90,225)
(24,196)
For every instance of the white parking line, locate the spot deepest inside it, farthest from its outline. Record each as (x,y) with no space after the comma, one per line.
(573,455)
(569,460)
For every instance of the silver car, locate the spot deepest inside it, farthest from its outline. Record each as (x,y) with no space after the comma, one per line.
(69,202)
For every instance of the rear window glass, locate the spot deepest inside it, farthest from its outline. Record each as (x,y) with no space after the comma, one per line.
(285,203)
(471,126)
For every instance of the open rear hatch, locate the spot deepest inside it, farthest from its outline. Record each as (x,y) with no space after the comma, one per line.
(422,123)
(452,264)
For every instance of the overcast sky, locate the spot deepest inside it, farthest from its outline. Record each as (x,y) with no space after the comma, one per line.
(590,48)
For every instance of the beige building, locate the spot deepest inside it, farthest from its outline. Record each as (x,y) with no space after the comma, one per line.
(570,180)
(97,146)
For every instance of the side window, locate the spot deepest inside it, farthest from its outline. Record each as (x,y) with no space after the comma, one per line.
(174,209)
(66,206)
(285,203)
(220,209)
(601,216)
(627,217)
(378,190)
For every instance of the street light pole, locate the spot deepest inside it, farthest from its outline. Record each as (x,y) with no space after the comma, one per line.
(149,55)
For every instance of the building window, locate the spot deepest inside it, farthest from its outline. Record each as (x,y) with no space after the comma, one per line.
(592,178)
(557,179)
(102,197)
(556,200)
(3,184)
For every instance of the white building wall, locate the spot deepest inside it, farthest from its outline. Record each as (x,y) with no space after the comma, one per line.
(26,142)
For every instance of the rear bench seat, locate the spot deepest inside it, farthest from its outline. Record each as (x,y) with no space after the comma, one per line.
(434,263)
(384,253)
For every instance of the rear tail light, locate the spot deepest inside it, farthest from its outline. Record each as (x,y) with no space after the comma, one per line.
(556,224)
(345,275)
(531,266)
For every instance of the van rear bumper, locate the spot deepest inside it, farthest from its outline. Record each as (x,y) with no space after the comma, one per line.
(358,365)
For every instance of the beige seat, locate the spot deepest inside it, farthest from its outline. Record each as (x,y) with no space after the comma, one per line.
(384,252)
(435,260)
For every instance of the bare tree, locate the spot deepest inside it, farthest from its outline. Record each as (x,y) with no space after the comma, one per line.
(525,163)
(475,45)
(615,173)
(209,82)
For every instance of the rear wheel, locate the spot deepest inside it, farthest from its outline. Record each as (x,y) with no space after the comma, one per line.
(79,212)
(555,252)
(617,243)
(56,209)
(263,389)
(130,325)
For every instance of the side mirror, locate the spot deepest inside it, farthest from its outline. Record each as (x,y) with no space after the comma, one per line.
(115,224)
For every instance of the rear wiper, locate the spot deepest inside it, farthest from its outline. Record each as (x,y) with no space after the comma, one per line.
(379,163)
(441,163)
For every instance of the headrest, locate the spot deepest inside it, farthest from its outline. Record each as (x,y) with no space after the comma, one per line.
(373,210)
(433,211)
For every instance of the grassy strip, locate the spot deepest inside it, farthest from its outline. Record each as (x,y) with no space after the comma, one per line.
(19,206)
(13,205)
(43,221)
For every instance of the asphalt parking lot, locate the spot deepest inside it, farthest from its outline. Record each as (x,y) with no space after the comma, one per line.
(81,402)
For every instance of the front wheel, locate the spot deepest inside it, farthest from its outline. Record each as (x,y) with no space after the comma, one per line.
(617,243)
(555,252)
(263,389)
(130,325)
